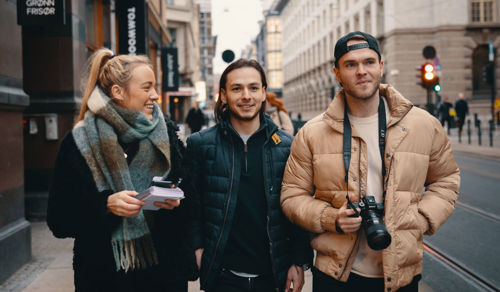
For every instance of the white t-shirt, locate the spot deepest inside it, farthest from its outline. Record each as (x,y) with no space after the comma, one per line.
(368,262)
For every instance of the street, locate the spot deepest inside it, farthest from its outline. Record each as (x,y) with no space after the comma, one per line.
(464,255)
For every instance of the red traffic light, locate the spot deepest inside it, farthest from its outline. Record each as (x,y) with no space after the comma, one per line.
(428,75)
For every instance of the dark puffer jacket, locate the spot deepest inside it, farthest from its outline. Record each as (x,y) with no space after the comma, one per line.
(214,162)
(76,209)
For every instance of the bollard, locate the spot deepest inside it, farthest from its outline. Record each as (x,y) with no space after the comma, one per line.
(468,131)
(479,132)
(459,135)
(492,128)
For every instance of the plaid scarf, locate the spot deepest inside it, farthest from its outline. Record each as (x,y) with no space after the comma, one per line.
(97,137)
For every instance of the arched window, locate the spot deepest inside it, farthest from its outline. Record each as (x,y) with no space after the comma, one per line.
(480,89)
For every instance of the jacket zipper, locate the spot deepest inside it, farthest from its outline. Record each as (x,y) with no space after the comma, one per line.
(225,214)
(246,158)
(269,208)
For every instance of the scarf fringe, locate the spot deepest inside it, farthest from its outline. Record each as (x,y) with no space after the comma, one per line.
(134,254)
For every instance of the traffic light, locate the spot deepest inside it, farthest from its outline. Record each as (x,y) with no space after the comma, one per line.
(429,77)
(437,87)
(489,73)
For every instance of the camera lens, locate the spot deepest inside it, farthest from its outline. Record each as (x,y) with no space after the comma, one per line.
(378,239)
(377,235)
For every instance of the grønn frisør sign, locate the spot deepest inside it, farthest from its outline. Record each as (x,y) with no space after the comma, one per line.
(41,12)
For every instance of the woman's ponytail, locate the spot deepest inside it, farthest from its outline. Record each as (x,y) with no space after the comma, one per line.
(95,64)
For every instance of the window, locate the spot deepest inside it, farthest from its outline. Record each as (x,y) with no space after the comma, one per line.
(482,11)
(170,2)
(332,16)
(173,33)
(480,89)
(97,25)
(368,20)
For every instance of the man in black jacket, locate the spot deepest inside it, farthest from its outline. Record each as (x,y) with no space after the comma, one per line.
(195,118)
(242,239)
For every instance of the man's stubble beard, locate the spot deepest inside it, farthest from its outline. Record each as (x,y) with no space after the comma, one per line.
(246,119)
(369,95)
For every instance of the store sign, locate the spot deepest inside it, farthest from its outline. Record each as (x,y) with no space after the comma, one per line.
(132,34)
(40,12)
(170,68)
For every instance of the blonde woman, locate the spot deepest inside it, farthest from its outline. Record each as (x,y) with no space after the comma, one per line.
(120,141)
(278,113)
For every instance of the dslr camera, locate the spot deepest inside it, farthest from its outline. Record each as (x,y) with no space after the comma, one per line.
(371,213)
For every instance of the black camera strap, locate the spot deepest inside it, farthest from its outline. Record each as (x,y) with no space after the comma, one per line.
(382,127)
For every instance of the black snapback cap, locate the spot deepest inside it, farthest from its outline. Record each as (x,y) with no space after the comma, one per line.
(341,47)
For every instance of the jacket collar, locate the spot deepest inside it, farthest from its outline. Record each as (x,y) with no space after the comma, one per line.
(398,107)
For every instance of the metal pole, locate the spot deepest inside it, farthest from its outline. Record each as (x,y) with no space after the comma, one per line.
(430,107)
(493,92)
(479,132)
(491,132)
(468,131)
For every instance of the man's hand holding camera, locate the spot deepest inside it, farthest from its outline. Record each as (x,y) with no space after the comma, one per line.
(346,222)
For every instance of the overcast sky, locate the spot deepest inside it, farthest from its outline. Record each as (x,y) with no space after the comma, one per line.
(235,22)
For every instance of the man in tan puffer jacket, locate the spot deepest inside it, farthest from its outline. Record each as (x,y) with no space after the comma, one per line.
(418,190)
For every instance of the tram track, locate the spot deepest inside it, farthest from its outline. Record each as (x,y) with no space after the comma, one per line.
(478,211)
(460,268)
(456,265)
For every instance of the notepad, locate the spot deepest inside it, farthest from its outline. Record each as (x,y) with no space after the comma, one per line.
(158,194)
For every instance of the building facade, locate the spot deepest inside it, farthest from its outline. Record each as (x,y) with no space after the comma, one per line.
(183,26)
(15,230)
(268,50)
(459,31)
(250,51)
(208,44)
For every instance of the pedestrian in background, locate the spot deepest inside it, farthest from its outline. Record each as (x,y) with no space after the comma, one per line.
(372,146)
(462,109)
(278,113)
(120,141)
(242,239)
(195,118)
(444,113)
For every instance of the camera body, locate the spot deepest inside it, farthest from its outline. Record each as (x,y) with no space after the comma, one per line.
(371,213)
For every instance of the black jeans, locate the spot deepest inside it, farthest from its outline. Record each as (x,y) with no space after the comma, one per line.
(229,282)
(324,283)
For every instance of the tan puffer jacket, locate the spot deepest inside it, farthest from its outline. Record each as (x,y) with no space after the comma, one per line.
(417,155)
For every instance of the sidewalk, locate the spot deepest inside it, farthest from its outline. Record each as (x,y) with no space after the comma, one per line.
(474,148)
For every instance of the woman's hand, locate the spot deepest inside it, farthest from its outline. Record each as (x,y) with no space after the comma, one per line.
(168,204)
(124,204)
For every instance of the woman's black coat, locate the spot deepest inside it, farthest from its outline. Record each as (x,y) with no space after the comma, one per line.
(76,209)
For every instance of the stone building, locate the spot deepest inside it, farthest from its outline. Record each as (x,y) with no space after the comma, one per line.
(459,30)
(268,50)
(207,47)
(183,26)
